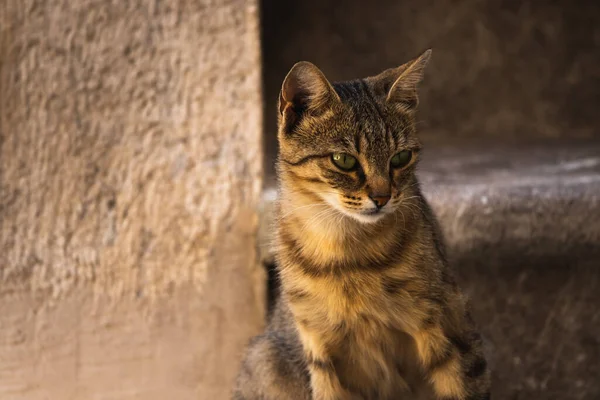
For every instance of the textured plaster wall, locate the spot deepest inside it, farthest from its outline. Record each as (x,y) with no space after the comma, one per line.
(130,170)
(501,70)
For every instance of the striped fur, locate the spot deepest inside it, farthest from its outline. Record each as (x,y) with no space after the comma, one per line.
(368,308)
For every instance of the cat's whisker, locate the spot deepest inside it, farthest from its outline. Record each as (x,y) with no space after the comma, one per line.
(300,191)
(413,209)
(411,197)
(403,220)
(327,217)
(309,222)
(298,208)
(350,230)
(322,213)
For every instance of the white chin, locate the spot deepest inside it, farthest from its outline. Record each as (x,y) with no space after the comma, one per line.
(367,218)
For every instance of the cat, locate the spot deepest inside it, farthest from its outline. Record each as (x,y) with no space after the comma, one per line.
(368,308)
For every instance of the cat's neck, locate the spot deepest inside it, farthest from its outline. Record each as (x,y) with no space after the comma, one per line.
(324,234)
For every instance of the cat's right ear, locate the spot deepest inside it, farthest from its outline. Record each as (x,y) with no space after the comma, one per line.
(399,85)
(305,90)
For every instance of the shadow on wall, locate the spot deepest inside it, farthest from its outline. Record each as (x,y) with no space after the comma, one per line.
(500,69)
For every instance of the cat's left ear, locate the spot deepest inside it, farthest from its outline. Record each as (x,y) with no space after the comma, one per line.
(305,90)
(305,87)
(400,84)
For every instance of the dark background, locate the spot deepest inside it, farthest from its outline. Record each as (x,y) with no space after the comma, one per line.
(501,70)
(509,108)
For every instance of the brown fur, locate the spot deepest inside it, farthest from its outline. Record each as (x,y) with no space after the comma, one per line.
(368,308)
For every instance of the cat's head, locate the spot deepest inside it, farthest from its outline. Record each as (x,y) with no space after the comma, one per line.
(351,145)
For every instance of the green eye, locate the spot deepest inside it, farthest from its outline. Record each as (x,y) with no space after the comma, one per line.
(401,159)
(344,161)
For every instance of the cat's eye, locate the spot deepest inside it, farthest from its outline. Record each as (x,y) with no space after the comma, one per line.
(401,159)
(344,161)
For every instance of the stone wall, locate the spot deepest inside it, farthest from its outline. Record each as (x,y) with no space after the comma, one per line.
(130,171)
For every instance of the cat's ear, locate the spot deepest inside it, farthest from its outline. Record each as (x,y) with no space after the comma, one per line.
(305,89)
(400,84)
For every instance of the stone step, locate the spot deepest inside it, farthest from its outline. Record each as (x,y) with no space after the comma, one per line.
(538,199)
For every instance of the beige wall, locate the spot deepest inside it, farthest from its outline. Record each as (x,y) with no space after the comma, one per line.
(130,169)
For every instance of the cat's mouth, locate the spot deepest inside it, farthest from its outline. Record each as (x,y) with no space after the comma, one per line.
(374,211)
(368,216)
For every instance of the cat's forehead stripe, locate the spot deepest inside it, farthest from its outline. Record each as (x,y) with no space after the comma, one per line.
(371,135)
(376,115)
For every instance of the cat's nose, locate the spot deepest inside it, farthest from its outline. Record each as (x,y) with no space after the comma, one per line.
(380,200)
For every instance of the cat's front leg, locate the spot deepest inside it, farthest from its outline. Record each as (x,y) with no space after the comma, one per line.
(324,382)
(454,364)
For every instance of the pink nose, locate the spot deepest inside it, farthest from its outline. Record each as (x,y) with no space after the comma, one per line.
(380,201)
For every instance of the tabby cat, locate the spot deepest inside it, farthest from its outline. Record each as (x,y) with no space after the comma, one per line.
(368,308)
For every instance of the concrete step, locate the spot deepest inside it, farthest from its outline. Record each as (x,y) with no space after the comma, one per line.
(522,223)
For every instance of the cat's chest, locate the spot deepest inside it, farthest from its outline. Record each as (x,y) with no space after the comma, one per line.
(361,327)
(361,304)
(377,360)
